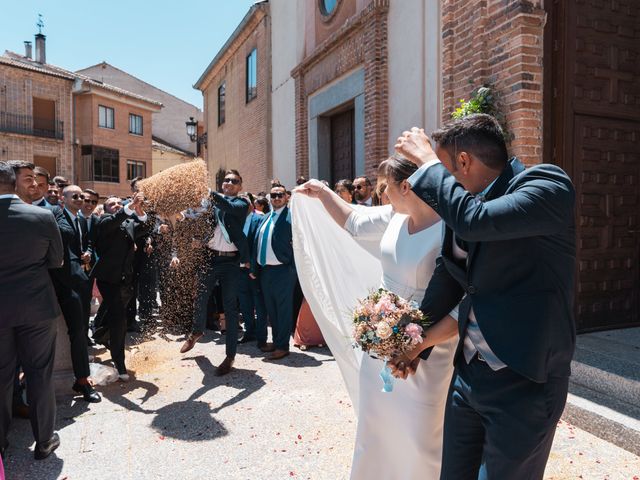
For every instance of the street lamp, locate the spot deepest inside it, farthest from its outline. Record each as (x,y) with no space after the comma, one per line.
(192,129)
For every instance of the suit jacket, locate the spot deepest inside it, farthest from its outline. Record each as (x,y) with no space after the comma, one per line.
(519,274)
(31,244)
(233,213)
(72,274)
(115,239)
(281,240)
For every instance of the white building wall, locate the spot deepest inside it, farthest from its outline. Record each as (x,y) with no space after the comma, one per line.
(287,51)
(415,93)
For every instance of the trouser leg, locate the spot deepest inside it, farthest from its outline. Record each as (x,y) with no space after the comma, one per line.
(8,361)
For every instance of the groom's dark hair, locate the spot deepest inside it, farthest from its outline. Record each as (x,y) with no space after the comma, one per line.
(478,134)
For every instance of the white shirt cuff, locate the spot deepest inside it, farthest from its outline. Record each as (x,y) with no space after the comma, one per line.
(454,313)
(418,173)
(130,212)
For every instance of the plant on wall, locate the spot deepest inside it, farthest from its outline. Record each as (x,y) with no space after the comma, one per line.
(483,100)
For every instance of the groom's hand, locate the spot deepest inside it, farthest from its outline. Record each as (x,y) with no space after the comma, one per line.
(415,146)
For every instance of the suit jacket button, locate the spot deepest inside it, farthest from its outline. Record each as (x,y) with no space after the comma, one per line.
(471,289)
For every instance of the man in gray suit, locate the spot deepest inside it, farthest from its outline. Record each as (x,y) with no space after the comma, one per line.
(31,244)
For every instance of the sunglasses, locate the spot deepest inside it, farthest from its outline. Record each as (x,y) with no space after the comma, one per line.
(77,196)
(359,187)
(233,181)
(277,195)
(92,202)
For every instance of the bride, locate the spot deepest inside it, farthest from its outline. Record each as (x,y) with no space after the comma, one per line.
(399,434)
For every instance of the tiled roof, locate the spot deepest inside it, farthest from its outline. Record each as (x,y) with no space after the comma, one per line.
(165,146)
(19,61)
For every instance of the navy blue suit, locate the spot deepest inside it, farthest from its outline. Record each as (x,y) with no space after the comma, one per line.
(519,280)
(277,281)
(232,212)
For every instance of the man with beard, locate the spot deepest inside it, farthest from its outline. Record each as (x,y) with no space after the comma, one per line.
(363,190)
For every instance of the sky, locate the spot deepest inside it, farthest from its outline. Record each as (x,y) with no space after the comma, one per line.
(165,43)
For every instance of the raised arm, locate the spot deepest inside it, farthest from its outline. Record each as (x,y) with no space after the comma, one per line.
(235,206)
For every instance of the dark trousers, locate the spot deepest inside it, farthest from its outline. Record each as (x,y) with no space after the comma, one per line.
(34,346)
(147,287)
(226,270)
(73,303)
(499,425)
(252,307)
(278,282)
(115,297)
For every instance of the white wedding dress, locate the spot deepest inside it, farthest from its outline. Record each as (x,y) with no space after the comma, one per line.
(399,434)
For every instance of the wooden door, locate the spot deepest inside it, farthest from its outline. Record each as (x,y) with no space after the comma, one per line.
(593,122)
(342,146)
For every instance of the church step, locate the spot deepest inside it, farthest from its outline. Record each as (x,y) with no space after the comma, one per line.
(604,416)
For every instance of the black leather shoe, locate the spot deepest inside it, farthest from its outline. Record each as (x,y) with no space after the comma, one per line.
(225,366)
(88,392)
(43,450)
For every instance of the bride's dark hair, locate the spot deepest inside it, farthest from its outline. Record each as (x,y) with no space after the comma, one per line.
(396,168)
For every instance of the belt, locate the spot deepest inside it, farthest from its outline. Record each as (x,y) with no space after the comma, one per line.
(219,253)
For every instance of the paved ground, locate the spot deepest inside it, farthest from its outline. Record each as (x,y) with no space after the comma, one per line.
(293,419)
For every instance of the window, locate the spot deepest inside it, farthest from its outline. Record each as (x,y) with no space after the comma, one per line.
(328,6)
(252,75)
(136,169)
(44,118)
(221,103)
(135,124)
(105,117)
(100,164)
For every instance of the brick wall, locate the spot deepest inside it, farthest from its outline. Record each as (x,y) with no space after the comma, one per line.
(361,41)
(17,89)
(130,146)
(243,141)
(500,42)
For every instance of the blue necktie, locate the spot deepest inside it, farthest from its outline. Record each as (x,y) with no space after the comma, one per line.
(265,240)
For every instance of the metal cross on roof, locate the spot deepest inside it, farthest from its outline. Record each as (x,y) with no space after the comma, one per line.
(40,23)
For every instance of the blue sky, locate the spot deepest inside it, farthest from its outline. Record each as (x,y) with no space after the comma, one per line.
(165,43)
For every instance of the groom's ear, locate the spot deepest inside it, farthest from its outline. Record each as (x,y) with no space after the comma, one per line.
(464,162)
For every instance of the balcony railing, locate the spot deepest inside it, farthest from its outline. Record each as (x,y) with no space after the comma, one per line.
(29,125)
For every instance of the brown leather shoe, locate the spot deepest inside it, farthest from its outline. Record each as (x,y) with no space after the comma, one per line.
(191,341)
(278,354)
(225,366)
(267,347)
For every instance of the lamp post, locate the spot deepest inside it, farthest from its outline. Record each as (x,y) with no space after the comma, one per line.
(192,131)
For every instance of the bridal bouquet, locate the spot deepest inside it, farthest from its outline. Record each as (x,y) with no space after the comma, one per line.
(386,326)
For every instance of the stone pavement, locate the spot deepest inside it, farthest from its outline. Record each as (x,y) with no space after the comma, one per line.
(292,419)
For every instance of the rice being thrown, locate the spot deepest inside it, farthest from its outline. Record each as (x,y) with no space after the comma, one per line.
(177,188)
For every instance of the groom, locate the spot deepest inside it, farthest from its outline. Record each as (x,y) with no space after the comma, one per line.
(508,257)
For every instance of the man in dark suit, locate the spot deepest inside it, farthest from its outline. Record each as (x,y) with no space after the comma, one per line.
(28,306)
(225,252)
(72,286)
(252,307)
(509,255)
(117,232)
(42,188)
(274,265)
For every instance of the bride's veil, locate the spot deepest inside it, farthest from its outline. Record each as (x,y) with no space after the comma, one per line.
(334,272)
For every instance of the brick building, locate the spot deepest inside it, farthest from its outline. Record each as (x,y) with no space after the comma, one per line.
(113,136)
(169,123)
(236,86)
(95,134)
(36,115)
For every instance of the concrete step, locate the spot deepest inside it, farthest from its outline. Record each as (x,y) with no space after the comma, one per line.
(604,389)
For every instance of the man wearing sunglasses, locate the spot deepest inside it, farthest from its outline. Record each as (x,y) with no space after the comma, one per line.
(72,286)
(226,250)
(272,262)
(363,190)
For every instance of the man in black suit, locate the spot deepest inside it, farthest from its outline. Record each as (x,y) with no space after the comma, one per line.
(42,187)
(73,288)
(272,262)
(117,232)
(225,252)
(509,255)
(28,306)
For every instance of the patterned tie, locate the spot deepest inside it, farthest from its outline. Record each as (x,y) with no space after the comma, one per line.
(265,240)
